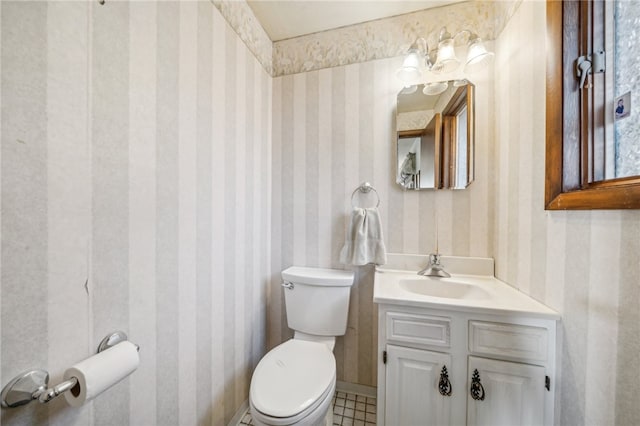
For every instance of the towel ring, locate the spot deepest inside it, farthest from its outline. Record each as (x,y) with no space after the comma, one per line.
(365,188)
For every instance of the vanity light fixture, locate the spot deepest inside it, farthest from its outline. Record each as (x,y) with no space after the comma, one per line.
(409,89)
(411,70)
(446,60)
(432,89)
(419,57)
(477,53)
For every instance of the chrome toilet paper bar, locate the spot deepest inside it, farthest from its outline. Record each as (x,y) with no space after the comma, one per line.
(34,384)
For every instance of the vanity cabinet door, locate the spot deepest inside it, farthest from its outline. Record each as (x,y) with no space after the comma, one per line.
(504,393)
(412,394)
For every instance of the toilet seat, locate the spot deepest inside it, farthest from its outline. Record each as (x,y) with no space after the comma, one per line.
(315,415)
(292,380)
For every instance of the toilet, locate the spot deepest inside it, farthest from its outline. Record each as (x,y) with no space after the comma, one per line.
(294,383)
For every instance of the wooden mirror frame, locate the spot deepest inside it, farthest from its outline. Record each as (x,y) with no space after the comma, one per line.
(569,127)
(446,149)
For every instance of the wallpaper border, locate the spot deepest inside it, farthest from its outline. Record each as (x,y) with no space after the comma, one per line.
(379,39)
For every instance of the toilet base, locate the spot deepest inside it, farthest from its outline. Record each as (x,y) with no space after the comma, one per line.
(328,419)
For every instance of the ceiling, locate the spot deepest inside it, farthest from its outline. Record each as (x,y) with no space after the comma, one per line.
(283,19)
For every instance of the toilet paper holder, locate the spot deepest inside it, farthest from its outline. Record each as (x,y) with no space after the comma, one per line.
(34,384)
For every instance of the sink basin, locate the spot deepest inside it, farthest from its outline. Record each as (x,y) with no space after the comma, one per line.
(443,287)
(472,287)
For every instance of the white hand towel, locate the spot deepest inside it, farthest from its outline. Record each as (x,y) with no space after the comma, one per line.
(364,242)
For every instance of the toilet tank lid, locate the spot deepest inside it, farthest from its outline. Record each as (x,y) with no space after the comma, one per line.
(318,276)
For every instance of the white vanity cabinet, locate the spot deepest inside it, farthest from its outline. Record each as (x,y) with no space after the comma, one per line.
(411,396)
(515,393)
(453,367)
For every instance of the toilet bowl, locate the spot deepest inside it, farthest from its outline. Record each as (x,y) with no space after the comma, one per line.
(294,383)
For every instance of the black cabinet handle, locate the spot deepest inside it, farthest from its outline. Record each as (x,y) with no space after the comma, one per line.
(477,390)
(444,385)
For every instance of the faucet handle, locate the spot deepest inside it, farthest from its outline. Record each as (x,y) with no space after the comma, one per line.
(434,259)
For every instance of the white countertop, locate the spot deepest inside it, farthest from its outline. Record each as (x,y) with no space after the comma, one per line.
(497,297)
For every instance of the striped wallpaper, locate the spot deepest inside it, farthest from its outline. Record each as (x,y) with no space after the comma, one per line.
(332,130)
(135,194)
(155,179)
(584,264)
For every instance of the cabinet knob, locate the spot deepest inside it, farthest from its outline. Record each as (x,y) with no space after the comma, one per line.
(444,385)
(477,390)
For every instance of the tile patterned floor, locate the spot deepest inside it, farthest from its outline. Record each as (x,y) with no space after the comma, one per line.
(349,409)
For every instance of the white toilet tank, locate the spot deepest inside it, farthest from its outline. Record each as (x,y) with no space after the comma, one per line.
(318,300)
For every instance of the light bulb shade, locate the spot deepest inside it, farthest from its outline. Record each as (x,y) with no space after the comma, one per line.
(432,89)
(412,60)
(407,90)
(410,73)
(477,56)
(446,60)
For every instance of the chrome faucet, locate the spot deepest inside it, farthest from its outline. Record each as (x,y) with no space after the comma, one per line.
(434,268)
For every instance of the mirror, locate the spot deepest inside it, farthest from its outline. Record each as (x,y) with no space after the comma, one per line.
(435,135)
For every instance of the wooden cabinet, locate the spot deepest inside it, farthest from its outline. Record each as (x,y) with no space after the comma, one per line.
(498,370)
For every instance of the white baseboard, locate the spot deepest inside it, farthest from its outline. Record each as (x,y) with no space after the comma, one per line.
(244,407)
(365,390)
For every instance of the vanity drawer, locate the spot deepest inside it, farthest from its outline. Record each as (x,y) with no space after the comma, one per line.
(508,340)
(418,329)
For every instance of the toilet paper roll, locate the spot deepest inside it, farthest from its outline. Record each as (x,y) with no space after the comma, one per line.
(98,373)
